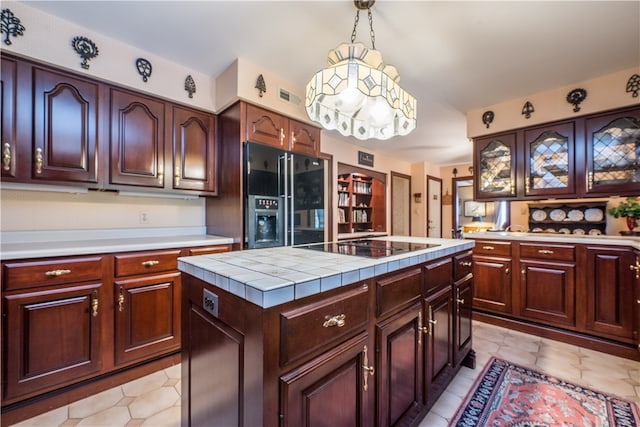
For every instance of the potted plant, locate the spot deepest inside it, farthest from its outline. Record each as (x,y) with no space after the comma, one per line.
(628,209)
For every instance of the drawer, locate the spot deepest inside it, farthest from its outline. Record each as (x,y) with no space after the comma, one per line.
(397,289)
(462,265)
(205,250)
(308,328)
(438,274)
(491,247)
(31,274)
(548,251)
(146,262)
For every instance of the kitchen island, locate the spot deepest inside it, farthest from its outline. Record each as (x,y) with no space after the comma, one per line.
(305,336)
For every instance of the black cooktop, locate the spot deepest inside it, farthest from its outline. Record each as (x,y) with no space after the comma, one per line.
(368,247)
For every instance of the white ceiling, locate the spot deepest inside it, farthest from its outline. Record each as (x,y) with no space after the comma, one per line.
(453,56)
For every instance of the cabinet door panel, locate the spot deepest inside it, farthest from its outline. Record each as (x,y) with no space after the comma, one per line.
(65,127)
(137,140)
(53,337)
(194,150)
(495,166)
(332,390)
(212,366)
(609,292)
(438,314)
(399,368)
(267,128)
(547,292)
(492,284)
(463,304)
(148,316)
(305,139)
(8,119)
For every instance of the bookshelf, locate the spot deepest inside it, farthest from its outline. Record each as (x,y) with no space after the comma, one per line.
(359,207)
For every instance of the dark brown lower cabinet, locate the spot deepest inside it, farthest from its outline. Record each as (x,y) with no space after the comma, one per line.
(547,292)
(492,284)
(377,352)
(399,372)
(52,338)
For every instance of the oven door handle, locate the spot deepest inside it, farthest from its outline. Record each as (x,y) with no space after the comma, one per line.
(285,201)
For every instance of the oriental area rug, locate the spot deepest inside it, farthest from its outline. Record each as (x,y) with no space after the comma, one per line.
(509,395)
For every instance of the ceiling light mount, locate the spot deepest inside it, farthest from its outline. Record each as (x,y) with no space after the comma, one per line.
(358,94)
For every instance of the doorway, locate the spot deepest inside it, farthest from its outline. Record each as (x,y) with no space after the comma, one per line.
(400,204)
(434,206)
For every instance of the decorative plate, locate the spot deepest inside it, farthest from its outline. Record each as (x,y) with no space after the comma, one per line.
(575,215)
(550,230)
(537,230)
(564,231)
(593,214)
(539,215)
(557,215)
(578,231)
(595,232)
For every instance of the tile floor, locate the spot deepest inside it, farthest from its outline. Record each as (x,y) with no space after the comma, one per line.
(154,400)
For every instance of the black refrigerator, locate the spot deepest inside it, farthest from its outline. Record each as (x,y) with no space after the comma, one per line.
(284,197)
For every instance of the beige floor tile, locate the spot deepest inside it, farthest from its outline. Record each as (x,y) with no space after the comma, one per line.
(125,401)
(446,405)
(168,418)
(484,345)
(116,416)
(460,385)
(558,368)
(174,371)
(517,356)
(601,381)
(523,343)
(153,402)
(48,419)
(136,422)
(608,367)
(559,346)
(145,384)
(96,403)
(71,422)
(433,420)
(488,334)
(171,382)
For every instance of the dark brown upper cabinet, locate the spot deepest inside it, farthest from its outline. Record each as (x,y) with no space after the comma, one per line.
(495,166)
(194,150)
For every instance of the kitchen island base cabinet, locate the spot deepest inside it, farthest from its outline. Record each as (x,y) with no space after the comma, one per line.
(363,354)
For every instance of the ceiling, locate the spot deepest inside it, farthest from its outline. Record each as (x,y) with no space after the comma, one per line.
(453,56)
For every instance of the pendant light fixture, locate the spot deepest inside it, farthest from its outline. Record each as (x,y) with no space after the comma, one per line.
(357,93)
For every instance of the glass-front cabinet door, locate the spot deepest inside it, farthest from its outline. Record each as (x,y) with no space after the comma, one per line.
(549,160)
(495,166)
(613,153)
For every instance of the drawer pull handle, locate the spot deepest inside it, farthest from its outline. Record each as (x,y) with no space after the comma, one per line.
(94,304)
(39,160)
(366,369)
(465,263)
(56,273)
(6,156)
(636,267)
(545,251)
(421,329)
(293,138)
(431,322)
(488,248)
(121,300)
(150,263)
(282,136)
(338,320)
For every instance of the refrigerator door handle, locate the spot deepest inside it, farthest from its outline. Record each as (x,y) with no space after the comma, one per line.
(285,198)
(291,199)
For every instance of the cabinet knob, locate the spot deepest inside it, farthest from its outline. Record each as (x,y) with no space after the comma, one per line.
(6,156)
(507,271)
(460,301)
(39,160)
(339,320)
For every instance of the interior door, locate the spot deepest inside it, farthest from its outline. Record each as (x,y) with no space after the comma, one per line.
(434,206)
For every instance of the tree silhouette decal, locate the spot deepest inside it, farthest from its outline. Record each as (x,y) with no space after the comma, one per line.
(11,25)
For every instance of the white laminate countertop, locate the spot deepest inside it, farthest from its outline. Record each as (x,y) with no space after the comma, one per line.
(630,241)
(40,244)
(272,276)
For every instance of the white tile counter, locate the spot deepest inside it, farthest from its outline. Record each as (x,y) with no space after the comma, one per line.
(40,244)
(630,241)
(272,276)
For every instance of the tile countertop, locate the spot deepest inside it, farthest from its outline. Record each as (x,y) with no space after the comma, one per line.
(272,276)
(40,244)
(631,241)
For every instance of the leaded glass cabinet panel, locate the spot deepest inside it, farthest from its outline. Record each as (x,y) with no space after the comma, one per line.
(495,163)
(613,153)
(549,160)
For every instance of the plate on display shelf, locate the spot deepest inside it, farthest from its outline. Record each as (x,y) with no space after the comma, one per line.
(537,230)
(557,215)
(575,215)
(550,230)
(593,214)
(564,231)
(539,215)
(595,232)
(578,231)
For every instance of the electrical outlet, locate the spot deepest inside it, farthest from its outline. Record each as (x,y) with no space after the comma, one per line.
(143,217)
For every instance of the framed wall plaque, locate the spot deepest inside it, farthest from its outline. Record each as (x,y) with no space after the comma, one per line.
(365,159)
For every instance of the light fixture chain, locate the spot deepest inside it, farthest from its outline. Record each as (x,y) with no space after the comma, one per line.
(373,35)
(355,25)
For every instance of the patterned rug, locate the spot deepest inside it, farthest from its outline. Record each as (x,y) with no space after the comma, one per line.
(509,395)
